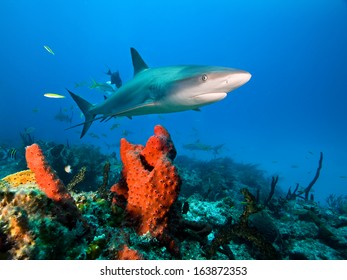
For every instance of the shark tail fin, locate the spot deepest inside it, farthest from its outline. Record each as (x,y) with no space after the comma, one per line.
(85,107)
(94,85)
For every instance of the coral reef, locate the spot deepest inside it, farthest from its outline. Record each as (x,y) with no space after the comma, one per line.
(338,203)
(30,228)
(217,178)
(242,231)
(218,209)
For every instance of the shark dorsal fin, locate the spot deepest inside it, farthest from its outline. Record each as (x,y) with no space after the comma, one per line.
(138,62)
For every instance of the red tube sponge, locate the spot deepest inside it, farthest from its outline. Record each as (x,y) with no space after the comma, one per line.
(51,185)
(128,254)
(45,176)
(149,182)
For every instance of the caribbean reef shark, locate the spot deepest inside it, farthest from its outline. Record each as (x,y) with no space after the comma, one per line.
(163,90)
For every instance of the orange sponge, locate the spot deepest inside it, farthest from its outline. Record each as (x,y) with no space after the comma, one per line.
(149,182)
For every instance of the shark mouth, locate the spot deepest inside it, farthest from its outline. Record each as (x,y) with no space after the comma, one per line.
(209,97)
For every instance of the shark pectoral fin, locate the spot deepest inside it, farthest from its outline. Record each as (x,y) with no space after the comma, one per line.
(138,62)
(197,109)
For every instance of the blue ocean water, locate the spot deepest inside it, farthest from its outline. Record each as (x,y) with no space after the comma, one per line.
(293,108)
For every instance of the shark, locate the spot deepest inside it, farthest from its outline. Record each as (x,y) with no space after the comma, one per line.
(159,90)
(60,116)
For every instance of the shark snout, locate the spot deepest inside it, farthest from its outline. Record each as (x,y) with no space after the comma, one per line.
(237,79)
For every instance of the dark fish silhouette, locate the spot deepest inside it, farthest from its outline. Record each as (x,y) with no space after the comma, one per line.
(115,78)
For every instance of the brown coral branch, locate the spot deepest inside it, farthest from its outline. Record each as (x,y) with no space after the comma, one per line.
(274,182)
(316,176)
(78,178)
(103,191)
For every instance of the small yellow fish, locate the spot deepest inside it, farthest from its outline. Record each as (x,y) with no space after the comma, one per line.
(49,49)
(53,95)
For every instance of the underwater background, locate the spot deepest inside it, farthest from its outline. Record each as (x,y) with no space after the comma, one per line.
(292,109)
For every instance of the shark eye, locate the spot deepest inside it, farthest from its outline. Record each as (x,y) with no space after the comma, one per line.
(204,78)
